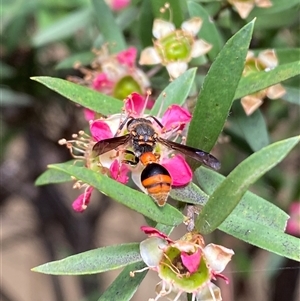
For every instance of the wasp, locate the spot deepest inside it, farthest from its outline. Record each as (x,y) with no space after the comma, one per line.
(143,138)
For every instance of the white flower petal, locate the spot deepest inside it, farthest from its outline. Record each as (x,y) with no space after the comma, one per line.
(200,47)
(251,103)
(217,257)
(275,91)
(149,56)
(263,3)
(192,26)
(136,177)
(243,8)
(152,250)
(162,28)
(268,58)
(142,78)
(176,69)
(250,55)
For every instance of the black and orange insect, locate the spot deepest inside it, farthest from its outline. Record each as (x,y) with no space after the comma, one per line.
(142,138)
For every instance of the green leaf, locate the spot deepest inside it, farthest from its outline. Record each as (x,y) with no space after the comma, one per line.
(209,31)
(253,127)
(263,237)
(287,55)
(175,93)
(190,193)
(108,27)
(228,194)
(83,96)
(125,195)
(292,95)
(125,285)
(145,24)
(277,6)
(53,176)
(261,80)
(254,220)
(276,20)
(218,90)
(63,28)
(251,208)
(93,261)
(84,58)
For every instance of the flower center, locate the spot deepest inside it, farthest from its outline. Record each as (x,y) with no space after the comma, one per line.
(126,86)
(253,66)
(176,46)
(172,269)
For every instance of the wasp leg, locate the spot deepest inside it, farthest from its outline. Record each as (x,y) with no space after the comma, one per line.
(122,125)
(133,162)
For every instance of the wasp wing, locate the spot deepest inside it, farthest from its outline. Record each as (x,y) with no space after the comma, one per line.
(197,154)
(106,145)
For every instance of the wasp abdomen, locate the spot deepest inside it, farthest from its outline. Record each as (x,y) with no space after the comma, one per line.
(157,181)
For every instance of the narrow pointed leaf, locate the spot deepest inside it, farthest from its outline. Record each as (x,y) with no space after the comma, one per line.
(175,93)
(251,208)
(84,58)
(190,193)
(108,27)
(52,176)
(292,95)
(266,238)
(209,31)
(63,28)
(93,261)
(145,24)
(277,6)
(125,195)
(253,127)
(218,91)
(124,285)
(261,80)
(228,194)
(254,220)
(83,96)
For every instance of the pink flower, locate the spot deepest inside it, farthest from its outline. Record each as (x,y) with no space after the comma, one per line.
(293,224)
(119,172)
(89,114)
(102,83)
(100,130)
(186,265)
(127,57)
(179,170)
(135,104)
(117,4)
(80,204)
(114,74)
(175,116)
